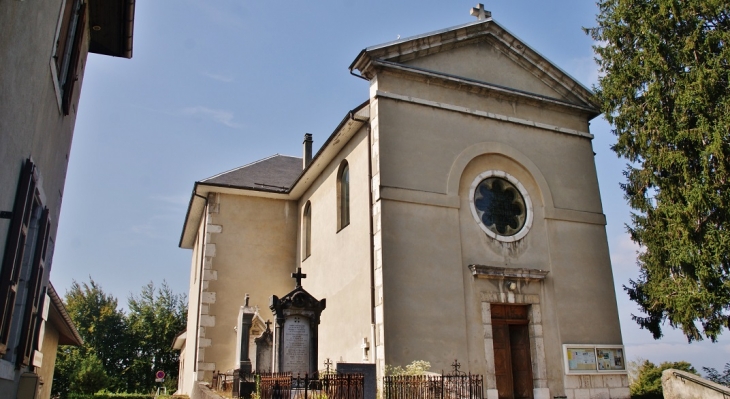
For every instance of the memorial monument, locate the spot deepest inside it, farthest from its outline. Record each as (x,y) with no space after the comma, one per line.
(297,323)
(263,350)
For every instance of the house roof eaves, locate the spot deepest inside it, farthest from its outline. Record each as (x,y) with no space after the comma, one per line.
(199,198)
(69,334)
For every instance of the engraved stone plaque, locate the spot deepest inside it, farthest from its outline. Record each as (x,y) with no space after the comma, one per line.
(296,345)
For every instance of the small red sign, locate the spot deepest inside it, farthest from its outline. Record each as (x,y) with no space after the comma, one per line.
(160,374)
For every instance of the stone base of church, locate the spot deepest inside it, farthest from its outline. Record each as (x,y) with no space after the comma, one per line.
(613,386)
(541,393)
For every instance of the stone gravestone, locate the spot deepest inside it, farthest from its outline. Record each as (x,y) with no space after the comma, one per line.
(264,353)
(367,370)
(297,322)
(243,331)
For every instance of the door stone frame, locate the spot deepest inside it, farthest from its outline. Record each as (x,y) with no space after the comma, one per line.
(537,345)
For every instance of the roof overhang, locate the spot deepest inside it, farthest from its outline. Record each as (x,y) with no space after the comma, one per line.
(347,128)
(393,55)
(111,23)
(59,318)
(179,340)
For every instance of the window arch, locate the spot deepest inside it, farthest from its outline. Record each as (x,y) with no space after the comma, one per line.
(343,196)
(307,231)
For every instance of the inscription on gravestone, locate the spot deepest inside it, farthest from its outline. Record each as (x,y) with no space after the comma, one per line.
(296,345)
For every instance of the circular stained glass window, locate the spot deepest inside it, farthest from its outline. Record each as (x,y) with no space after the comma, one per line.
(501,205)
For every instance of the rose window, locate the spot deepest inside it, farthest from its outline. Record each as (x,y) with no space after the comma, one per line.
(499,206)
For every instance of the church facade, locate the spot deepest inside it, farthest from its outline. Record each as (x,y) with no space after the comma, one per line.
(455,214)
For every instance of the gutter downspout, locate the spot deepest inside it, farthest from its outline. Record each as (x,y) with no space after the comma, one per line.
(200,282)
(372,239)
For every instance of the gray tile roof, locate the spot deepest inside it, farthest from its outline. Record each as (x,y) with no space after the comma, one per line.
(276,173)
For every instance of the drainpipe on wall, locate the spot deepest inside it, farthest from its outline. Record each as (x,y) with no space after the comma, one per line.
(372,241)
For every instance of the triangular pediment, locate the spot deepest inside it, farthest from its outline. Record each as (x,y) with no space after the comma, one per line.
(483,53)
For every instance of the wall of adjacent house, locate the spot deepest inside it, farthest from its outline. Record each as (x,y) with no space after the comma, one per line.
(31,123)
(49,348)
(432,144)
(250,249)
(339,266)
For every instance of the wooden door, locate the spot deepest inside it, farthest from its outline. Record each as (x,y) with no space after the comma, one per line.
(512,363)
(503,360)
(519,338)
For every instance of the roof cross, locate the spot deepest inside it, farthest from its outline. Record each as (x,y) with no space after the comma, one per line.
(268,323)
(480,12)
(298,276)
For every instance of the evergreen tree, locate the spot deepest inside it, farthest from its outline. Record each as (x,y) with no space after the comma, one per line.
(665,89)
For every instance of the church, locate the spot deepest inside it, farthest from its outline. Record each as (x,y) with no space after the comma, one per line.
(454,214)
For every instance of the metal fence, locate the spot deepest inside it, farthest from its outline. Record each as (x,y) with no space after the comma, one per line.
(461,386)
(287,386)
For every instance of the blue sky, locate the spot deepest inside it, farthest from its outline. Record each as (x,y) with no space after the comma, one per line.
(217,84)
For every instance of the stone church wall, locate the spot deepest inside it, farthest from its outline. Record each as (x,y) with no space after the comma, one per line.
(338,268)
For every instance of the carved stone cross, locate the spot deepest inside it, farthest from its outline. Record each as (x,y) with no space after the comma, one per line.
(298,276)
(480,12)
(268,324)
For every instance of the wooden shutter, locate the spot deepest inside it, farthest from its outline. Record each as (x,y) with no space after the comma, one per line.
(28,329)
(73,67)
(14,248)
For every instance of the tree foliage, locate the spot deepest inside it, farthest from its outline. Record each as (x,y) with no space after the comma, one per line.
(648,381)
(721,378)
(121,352)
(156,317)
(665,90)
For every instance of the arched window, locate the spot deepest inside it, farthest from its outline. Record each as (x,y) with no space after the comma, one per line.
(307,231)
(343,194)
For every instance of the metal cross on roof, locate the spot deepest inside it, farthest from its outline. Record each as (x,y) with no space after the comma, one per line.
(480,12)
(298,276)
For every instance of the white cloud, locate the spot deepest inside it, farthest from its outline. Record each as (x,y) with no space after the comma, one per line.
(217,115)
(220,78)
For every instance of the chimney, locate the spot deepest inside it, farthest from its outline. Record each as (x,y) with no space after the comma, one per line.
(307,149)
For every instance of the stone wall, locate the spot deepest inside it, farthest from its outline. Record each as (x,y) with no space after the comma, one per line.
(678,384)
(201,391)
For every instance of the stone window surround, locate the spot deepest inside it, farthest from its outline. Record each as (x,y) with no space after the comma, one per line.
(525,195)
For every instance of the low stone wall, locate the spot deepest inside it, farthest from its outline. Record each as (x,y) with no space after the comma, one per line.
(201,391)
(678,384)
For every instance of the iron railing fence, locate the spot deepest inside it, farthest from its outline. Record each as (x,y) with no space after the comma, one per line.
(287,386)
(460,386)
